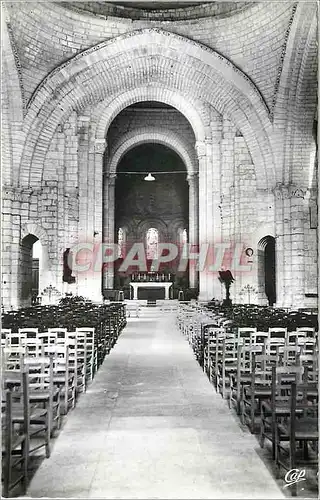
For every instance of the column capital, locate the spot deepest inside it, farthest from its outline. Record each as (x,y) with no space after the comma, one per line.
(311,194)
(200,148)
(192,177)
(203,148)
(111,179)
(100,146)
(288,191)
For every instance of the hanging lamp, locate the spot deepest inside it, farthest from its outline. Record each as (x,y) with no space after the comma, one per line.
(149,177)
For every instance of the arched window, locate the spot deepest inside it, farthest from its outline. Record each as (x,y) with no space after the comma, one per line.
(183,241)
(184,237)
(121,243)
(152,240)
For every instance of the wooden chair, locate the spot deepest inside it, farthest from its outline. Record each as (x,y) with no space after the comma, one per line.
(308,345)
(4,334)
(259,389)
(278,404)
(29,332)
(11,356)
(81,361)
(42,391)
(39,417)
(216,359)
(15,442)
(293,337)
(48,338)
(277,332)
(296,430)
(63,377)
(60,333)
(259,338)
(228,365)
(309,331)
(33,346)
(310,363)
(288,354)
(71,341)
(15,339)
(210,349)
(247,334)
(91,351)
(243,374)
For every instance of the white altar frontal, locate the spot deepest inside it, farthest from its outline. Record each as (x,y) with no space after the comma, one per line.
(150,284)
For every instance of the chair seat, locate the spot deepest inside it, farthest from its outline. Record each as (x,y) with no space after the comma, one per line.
(231,368)
(16,441)
(259,391)
(60,379)
(306,429)
(68,389)
(282,408)
(35,414)
(42,395)
(243,379)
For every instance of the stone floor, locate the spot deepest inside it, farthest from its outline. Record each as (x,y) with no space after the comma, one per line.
(152,426)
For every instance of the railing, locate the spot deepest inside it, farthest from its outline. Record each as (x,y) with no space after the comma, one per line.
(152,277)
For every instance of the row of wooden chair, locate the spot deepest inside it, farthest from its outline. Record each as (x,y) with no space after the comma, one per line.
(43,374)
(270,378)
(31,409)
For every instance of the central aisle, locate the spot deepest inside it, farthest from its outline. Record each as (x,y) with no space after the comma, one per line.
(152,426)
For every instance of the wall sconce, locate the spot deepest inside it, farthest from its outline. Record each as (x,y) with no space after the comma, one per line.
(249,252)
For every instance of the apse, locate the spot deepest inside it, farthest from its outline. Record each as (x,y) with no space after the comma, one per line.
(150,212)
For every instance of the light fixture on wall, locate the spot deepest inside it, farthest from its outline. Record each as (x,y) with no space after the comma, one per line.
(149,177)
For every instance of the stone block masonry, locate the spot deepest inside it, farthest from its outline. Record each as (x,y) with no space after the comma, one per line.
(235,87)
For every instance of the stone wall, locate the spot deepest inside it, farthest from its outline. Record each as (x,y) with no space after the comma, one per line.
(238,81)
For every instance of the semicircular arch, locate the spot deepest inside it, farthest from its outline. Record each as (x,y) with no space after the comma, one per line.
(153,56)
(155,136)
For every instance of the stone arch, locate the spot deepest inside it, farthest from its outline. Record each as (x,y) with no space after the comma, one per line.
(12,103)
(35,229)
(260,233)
(152,222)
(195,112)
(152,135)
(266,270)
(158,57)
(297,95)
(38,232)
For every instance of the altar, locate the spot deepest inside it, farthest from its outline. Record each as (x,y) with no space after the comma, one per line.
(150,284)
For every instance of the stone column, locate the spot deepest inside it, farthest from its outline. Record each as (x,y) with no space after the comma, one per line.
(209,156)
(97,160)
(290,218)
(216,125)
(109,181)
(193,239)
(201,150)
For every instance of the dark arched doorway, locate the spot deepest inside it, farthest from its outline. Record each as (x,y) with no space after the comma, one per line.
(30,265)
(267,269)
